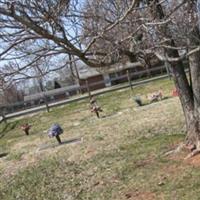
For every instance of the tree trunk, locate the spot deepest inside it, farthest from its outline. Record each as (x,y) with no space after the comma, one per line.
(182,85)
(194,61)
(190,105)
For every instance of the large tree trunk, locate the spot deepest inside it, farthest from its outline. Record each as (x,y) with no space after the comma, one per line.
(189,94)
(186,96)
(194,60)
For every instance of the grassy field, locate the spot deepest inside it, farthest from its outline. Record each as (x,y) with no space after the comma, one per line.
(120,156)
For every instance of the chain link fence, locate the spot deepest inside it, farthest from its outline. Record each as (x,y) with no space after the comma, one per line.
(66,93)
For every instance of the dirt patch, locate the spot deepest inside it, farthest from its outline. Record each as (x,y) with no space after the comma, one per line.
(26,144)
(178,152)
(145,162)
(181,156)
(172,169)
(90,152)
(194,161)
(12,167)
(177,156)
(140,195)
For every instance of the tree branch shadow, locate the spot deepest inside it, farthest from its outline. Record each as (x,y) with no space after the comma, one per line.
(7,127)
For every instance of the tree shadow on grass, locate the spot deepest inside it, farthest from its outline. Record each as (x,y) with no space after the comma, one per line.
(7,127)
(108,115)
(3,155)
(71,141)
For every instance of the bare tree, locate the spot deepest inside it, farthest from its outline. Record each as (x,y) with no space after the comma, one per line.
(38,29)
(188,91)
(101,33)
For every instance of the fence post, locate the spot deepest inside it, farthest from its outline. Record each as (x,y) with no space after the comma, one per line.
(129,79)
(166,63)
(46,103)
(47,106)
(78,91)
(4,118)
(3,115)
(88,88)
(167,69)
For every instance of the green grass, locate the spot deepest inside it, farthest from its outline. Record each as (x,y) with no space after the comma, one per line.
(15,155)
(128,168)
(121,156)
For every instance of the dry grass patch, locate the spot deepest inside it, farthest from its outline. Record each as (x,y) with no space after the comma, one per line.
(120,156)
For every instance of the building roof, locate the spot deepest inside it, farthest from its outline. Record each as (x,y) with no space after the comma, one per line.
(120,67)
(87,72)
